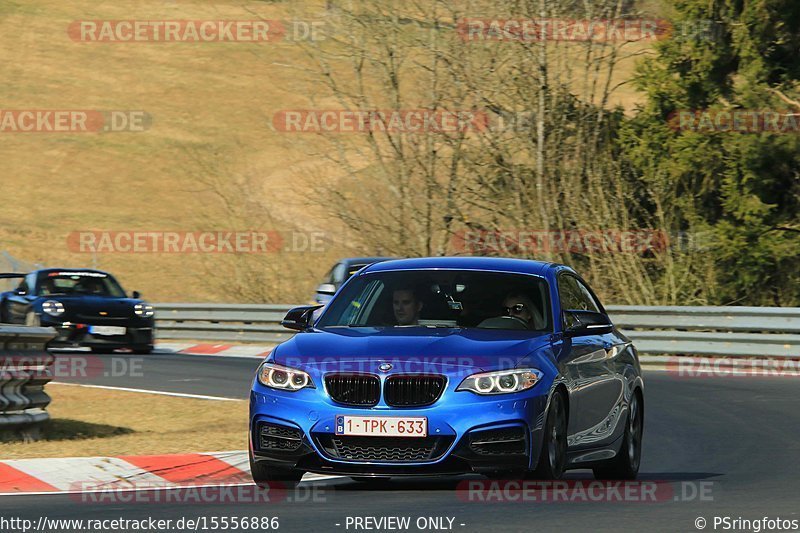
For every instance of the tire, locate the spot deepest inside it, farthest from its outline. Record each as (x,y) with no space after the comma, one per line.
(32,319)
(101,350)
(272,476)
(553,458)
(143,351)
(625,465)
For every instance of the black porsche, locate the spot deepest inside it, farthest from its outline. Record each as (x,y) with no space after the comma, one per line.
(88,308)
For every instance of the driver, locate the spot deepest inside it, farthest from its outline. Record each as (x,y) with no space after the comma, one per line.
(518,305)
(406,306)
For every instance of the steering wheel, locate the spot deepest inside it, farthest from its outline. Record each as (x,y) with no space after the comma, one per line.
(504,322)
(518,320)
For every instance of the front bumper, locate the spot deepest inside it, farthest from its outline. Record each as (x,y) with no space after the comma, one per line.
(467,433)
(71,334)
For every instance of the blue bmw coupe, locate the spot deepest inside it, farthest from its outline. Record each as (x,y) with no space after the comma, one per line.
(502,367)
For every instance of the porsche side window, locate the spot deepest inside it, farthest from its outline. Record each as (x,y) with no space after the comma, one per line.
(29,284)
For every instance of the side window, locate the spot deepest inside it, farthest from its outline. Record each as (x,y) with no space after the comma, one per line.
(575,295)
(22,288)
(338,274)
(361,308)
(28,284)
(587,297)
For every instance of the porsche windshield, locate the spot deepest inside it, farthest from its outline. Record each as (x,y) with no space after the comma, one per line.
(78,283)
(442,298)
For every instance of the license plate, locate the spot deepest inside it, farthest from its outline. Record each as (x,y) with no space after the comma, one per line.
(106,330)
(382,426)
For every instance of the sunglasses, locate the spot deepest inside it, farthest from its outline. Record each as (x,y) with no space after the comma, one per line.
(515,309)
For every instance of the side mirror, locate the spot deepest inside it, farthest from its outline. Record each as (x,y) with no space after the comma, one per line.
(136,295)
(578,323)
(299,318)
(327,288)
(20,292)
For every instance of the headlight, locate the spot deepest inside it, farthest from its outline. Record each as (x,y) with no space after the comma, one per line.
(501,382)
(283,378)
(53,308)
(143,310)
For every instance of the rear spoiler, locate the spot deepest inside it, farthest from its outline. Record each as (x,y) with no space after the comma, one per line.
(9,275)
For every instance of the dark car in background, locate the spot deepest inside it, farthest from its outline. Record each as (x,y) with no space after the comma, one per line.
(88,308)
(341,272)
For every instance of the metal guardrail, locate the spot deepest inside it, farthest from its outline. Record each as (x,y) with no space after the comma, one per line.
(24,371)
(222,322)
(717,331)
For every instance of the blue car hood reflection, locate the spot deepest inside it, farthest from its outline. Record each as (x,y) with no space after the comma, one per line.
(416,349)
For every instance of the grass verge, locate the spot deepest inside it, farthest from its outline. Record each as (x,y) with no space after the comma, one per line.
(88,422)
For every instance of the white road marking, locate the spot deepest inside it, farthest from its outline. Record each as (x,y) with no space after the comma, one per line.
(162,393)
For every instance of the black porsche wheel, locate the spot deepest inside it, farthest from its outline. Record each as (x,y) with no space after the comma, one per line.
(143,350)
(625,465)
(265,475)
(553,458)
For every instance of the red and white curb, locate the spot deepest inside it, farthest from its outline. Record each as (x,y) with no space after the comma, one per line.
(222,350)
(141,472)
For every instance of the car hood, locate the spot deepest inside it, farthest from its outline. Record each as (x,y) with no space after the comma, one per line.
(414,350)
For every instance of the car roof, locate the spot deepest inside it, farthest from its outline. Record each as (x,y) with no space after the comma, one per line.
(364,260)
(498,264)
(46,270)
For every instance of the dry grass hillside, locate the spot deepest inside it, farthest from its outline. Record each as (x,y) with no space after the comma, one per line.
(211,106)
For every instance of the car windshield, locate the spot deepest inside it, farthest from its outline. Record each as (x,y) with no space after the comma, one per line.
(91,283)
(441,299)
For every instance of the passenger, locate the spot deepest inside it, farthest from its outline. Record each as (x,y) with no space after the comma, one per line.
(406,306)
(520,306)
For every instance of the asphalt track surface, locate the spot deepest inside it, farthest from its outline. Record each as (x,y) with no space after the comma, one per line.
(737,439)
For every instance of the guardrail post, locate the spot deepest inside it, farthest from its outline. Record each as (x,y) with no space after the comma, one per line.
(25,369)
